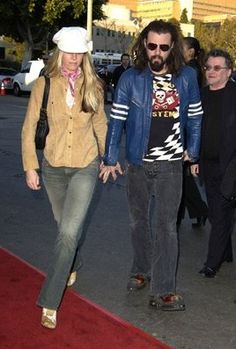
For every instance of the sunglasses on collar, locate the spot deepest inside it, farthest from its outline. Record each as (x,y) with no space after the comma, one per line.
(163,47)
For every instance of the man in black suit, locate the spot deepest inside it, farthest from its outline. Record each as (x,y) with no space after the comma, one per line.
(218,156)
(125,64)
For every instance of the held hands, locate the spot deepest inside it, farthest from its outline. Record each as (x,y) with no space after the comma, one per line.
(32,179)
(195,170)
(186,156)
(105,171)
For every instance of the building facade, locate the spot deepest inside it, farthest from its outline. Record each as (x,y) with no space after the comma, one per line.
(116,33)
(130,4)
(150,9)
(166,9)
(203,8)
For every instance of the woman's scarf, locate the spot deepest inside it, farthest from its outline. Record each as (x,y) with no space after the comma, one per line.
(71,77)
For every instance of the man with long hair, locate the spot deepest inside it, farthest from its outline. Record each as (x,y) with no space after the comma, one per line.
(158,101)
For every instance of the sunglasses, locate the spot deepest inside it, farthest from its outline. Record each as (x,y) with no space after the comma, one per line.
(214,67)
(163,47)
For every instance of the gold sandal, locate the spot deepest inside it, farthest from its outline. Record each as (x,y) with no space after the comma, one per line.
(49,318)
(72,279)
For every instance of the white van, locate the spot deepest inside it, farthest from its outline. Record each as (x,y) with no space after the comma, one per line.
(104,58)
(24,80)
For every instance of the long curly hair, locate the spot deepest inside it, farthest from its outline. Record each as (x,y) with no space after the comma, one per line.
(174,61)
(92,85)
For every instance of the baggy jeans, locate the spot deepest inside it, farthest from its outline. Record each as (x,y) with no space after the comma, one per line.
(70,191)
(155,252)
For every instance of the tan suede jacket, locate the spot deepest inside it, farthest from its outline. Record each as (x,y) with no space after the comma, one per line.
(75,138)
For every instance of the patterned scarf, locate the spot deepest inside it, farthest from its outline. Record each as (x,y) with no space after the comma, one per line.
(71,77)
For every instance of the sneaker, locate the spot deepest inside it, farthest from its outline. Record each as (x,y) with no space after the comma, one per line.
(170,302)
(72,279)
(49,318)
(136,282)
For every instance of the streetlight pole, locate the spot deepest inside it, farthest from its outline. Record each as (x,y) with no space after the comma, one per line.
(90,21)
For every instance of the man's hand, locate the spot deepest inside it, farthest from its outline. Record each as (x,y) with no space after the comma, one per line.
(105,171)
(185,156)
(32,179)
(195,170)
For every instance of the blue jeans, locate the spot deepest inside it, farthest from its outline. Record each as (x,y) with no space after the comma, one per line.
(155,252)
(70,191)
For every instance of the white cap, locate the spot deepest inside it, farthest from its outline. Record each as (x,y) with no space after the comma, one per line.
(72,40)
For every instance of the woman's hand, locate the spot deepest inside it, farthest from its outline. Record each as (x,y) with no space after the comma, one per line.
(32,179)
(105,171)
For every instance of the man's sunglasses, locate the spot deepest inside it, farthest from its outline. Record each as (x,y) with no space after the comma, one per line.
(214,67)
(163,47)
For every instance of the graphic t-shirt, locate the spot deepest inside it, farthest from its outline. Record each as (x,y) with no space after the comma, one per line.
(164,140)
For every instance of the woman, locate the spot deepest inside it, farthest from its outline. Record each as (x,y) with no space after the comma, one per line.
(191,197)
(77,129)
(194,55)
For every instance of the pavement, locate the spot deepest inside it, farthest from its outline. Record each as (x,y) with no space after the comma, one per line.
(28,230)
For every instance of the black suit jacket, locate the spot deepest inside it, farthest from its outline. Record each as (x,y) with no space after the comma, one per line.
(227,156)
(228,123)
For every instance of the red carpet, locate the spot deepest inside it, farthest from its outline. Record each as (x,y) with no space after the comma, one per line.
(81,324)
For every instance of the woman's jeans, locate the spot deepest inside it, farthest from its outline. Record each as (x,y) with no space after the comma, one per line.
(156,252)
(70,191)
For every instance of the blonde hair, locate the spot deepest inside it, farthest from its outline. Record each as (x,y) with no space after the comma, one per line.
(92,89)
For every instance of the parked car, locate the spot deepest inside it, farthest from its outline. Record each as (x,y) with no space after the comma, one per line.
(25,79)
(6,76)
(102,68)
(105,73)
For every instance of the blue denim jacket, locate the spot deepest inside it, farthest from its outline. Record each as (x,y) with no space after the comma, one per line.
(132,106)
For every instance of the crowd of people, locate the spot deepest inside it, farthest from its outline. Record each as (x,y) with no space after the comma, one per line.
(179,114)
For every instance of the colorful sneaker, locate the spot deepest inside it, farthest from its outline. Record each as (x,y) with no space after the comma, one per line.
(49,318)
(136,282)
(170,302)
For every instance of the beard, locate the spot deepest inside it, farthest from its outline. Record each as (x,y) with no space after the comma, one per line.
(156,66)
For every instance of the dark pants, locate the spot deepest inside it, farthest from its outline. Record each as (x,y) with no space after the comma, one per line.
(191,198)
(156,252)
(221,217)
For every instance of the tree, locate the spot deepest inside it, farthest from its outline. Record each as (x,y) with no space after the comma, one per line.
(33,21)
(227,37)
(184,16)
(207,35)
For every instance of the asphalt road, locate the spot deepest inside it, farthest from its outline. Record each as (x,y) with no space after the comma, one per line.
(28,230)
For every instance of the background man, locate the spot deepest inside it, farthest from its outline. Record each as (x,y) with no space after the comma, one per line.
(158,100)
(125,64)
(218,155)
